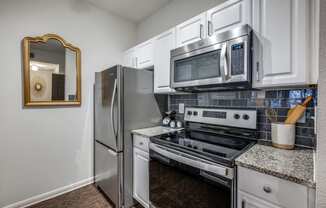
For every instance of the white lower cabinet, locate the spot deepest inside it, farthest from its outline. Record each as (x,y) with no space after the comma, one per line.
(140,170)
(246,200)
(258,190)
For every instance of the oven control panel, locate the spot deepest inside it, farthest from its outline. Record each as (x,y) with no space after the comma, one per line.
(224,117)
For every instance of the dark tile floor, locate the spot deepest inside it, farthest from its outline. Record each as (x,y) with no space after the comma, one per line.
(86,197)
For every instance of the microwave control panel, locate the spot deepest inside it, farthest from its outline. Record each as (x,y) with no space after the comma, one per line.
(237,59)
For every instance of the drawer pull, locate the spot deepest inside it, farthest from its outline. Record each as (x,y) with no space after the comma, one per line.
(243,203)
(267,189)
(141,143)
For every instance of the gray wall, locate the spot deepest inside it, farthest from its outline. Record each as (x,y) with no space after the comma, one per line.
(172,14)
(45,149)
(321,142)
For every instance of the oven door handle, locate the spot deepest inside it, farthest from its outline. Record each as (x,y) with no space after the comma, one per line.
(192,161)
(208,176)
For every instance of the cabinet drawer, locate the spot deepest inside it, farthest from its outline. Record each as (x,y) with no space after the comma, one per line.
(272,189)
(246,200)
(141,142)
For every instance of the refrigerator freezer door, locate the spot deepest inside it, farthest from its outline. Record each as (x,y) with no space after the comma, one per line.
(107,172)
(106,108)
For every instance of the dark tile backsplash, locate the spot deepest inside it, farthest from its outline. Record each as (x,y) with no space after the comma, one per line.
(279,99)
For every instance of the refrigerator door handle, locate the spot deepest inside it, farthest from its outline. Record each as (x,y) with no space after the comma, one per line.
(112,152)
(112,108)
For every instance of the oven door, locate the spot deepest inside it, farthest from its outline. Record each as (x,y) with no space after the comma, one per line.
(197,68)
(178,180)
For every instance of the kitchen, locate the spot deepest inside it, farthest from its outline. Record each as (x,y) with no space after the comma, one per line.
(237,82)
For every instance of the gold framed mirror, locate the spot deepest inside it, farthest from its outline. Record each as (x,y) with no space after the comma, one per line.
(52,72)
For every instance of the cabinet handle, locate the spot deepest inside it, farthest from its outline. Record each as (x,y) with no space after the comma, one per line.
(210,28)
(267,189)
(243,203)
(141,143)
(201,31)
(258,71)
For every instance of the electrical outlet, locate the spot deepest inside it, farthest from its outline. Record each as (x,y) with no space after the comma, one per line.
(315,120)
(181,107)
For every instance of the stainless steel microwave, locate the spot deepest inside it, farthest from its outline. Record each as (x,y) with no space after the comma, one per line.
(220,62)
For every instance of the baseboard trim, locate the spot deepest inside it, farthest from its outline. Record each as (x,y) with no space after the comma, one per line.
(51,194)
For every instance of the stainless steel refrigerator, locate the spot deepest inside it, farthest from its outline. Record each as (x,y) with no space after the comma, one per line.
(123,101)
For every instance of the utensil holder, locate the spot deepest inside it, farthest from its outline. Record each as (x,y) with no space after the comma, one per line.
(283,135)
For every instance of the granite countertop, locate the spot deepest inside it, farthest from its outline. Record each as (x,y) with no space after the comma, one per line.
(292,165)
(155,131)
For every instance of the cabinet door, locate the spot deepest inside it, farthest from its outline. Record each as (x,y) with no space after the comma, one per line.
(129,58)
(144,55)
(141,177)
(192,30)
(281,42)
(249,201)
(163,45)
(229,15)
(272,189)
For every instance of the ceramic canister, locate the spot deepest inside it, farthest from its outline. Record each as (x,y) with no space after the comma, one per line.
(283,135)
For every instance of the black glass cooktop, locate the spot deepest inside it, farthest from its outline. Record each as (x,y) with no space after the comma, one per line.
(220,148)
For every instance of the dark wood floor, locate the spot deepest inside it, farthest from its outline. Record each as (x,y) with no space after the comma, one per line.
(86,197)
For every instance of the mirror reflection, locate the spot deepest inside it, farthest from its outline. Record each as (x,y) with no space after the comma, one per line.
(53,72)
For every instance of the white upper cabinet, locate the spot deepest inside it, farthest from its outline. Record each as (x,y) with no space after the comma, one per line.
(192,30)
(285,41)
(144,54)
(231,14)
(163,44)
(129,58)
(281,43)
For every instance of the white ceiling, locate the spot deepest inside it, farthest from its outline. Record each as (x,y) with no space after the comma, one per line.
(133,10)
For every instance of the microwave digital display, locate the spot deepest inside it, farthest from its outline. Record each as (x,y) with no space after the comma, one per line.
(237,46)
(214,114)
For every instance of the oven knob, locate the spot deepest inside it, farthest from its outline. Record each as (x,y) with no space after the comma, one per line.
(236,116)
(195,147)
(246,117)
(195,113)
(189,145)
(189,113)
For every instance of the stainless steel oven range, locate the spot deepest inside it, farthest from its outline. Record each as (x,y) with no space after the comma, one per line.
(222,61)
(195,168)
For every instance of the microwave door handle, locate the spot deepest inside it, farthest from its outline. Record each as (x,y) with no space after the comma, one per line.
(224,63)
(201,32)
